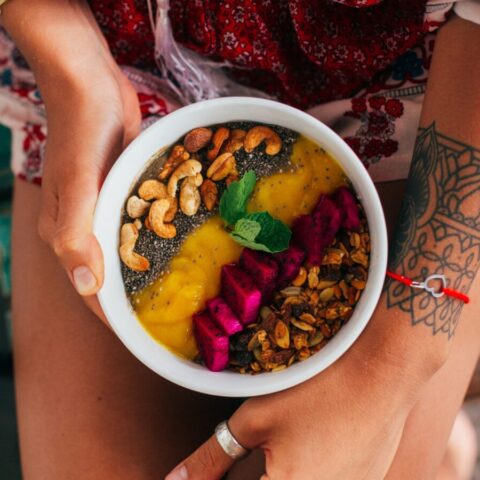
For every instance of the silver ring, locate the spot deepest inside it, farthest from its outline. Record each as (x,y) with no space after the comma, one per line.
(229,443)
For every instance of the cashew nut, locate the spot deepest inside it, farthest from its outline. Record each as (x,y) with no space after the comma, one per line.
(137,207)
(156,219)
(197,139)
(217,141)
(177,156)
(152,190)
(188,168)
(172,211)
(235,141)
(209,194)
(128,238)
(189,196)
(198,179)
(221,167)
(138,224)
(256,135)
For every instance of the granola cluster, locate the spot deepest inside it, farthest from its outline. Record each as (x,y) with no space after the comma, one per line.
(306,314)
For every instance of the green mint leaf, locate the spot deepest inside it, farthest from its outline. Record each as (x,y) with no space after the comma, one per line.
(233,203)
(275,234)
(247,243)
(260,231)
(247,229)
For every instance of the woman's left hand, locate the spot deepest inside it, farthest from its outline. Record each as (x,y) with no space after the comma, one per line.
(344,423)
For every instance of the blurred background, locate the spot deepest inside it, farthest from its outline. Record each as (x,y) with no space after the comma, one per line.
(9,458)
(9,454)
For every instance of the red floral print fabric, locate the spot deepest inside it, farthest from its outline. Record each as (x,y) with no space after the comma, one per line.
(304,52)
(126,25)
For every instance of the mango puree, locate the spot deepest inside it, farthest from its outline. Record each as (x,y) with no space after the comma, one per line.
(165,308)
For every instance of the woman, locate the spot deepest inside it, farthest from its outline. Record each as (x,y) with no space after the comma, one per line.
(86,408)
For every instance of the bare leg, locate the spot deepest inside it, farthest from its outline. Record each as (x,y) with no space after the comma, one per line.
(88,409)
(462,448)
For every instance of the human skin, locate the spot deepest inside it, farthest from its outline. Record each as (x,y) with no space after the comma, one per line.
(368,394)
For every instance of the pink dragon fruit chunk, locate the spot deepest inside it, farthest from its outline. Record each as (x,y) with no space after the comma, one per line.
(211,341)
(223,317)
(328,215)
(347,202)
(289,263)
(262,268)
(240,293)
(308,234)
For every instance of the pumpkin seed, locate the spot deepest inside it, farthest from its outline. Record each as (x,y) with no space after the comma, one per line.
(300,278)
(265,312)
(282,335)
(291,291)
(308,317)
(316,339)
(326,295)
(301,325)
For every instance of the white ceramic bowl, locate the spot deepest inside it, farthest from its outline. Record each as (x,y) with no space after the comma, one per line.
(114,192)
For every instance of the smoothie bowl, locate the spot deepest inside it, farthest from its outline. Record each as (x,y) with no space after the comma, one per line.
(245,247)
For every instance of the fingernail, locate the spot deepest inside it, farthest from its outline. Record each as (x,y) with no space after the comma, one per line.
(179,473)
(84,280)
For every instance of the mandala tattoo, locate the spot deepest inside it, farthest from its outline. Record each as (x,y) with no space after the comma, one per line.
(438,230)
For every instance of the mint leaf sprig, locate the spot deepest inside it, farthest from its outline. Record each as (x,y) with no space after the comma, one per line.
(233,203)
(257,230)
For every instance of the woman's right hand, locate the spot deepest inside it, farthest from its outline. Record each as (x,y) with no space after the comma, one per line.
(88,127)
(92,114)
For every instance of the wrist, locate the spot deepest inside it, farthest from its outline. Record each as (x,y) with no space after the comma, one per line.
(412,354)
(61,42)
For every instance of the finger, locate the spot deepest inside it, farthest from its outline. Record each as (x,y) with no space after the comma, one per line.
(73,241)
(210,462)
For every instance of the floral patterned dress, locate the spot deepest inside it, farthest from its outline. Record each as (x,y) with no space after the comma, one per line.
(360,66)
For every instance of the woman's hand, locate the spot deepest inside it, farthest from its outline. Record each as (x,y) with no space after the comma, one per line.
(344,424)
(87,129)
(92,114)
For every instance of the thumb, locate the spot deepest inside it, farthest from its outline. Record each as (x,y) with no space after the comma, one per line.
(210,462)
(73,241)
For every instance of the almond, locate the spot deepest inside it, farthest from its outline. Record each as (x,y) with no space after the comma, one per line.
(197,139)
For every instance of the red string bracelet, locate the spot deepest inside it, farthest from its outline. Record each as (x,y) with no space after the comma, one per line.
(428,287)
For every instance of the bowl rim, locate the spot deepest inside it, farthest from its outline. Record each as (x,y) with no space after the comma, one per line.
(136,338)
